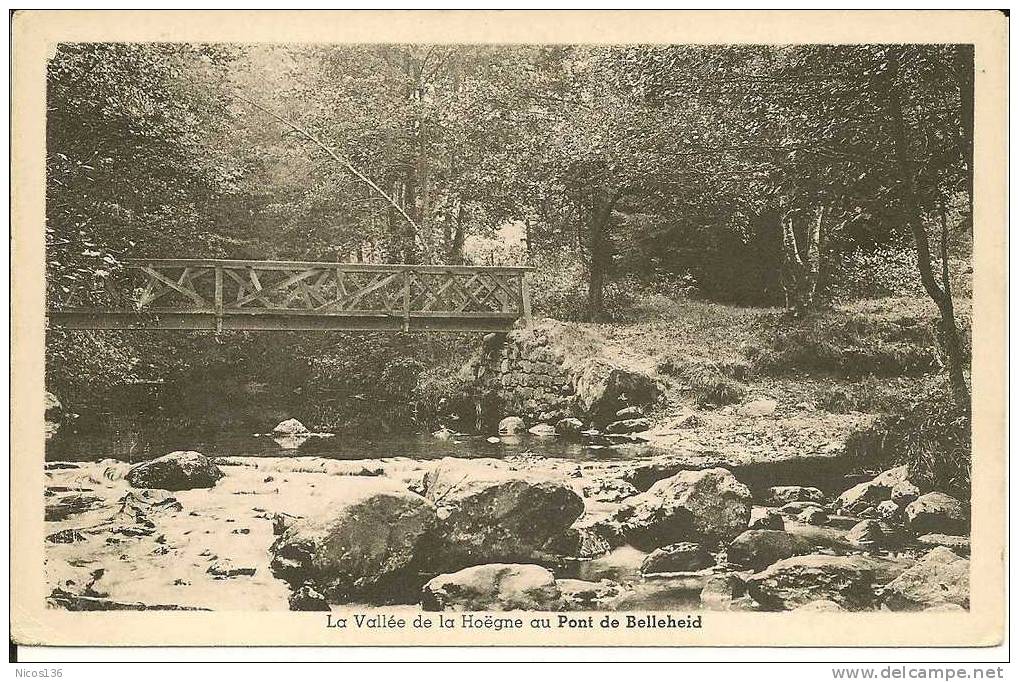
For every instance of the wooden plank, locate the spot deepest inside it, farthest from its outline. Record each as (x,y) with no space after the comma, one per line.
(376,284)
(262,292)
(303,265)
(149,285)
(276,321)
(173,285)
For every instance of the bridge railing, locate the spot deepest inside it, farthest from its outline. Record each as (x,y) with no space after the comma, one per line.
(238,288)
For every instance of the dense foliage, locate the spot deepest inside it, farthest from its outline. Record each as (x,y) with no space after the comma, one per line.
(628,172)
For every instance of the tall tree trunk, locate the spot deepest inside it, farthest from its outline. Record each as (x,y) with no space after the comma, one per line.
(801,278)
(964,66)
(942,297)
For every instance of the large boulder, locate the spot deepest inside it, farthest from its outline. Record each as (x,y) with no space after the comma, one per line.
(181,470)
(783,494)
(493,514)
(871,534)
(629,425)
(609,490)
(366,540)
(957,543)
(758,549)
(707,505)
(797,508)
(584,542)
(603,390)
(724,592)
(940,577)
(676,558)
(799,580)
(936,513)
(493,587)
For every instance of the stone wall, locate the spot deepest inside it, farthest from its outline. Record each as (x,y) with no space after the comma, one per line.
(557,370)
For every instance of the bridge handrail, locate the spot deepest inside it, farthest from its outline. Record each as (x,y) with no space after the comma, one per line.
(351,267)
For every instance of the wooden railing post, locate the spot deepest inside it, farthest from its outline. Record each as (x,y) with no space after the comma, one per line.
(219,298)
(406,300)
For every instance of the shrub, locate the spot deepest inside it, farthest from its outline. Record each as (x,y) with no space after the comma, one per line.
(852,345)
(710,382)
(890,271)
(932,435)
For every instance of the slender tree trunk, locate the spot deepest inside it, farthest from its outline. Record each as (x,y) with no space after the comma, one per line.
(456,252)
(598,247)
(914,217)
(793,269)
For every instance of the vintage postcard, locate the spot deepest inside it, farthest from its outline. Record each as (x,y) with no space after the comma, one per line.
(508,328)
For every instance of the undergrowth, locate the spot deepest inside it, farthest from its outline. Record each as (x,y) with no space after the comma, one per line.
(931,434)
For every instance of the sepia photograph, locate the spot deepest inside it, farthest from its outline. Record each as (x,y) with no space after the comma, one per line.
(510,335)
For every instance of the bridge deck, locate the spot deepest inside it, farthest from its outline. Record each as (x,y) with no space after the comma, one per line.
(202,294)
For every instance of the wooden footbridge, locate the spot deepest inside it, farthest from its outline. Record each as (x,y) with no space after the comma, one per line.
(295,295)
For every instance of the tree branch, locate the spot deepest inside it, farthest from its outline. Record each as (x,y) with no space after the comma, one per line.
(346,164)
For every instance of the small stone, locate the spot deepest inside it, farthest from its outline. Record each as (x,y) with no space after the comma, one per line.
(181,470)
(813,516)
(758,408)
(707,504)
(721,591)
(569,427)
(904,492)
(889,510)
(443,434)
(493,587)
(511,425)
(632,412)
(787,584)
(783,494)
(493,439)
(584,595)
(543,430)
(224,568)
(820,605)
(290,426)
(308,599)
(677,558)
(762,518)
(871,534)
